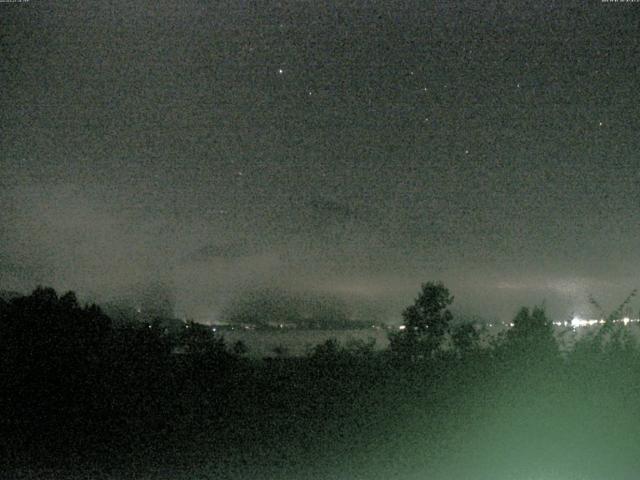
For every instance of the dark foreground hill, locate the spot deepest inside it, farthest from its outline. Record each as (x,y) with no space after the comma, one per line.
(81,399)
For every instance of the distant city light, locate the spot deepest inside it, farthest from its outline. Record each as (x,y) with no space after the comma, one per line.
(578,322)
(582,322)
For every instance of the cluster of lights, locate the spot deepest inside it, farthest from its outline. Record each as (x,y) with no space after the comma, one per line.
(576,322)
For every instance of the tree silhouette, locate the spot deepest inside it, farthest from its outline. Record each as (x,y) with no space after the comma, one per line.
(360,348)
(239,348)
(465,338)
(200,340)
(280,351)
(425,322)
(612,334)
(329,350)
(531,336)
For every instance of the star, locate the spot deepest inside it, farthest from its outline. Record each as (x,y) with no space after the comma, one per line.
(280,71)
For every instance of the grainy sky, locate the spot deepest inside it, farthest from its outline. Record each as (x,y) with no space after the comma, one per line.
(342,149)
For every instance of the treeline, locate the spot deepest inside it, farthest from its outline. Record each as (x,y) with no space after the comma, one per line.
(77,391)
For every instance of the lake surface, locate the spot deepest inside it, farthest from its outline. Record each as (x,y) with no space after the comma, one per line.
(262,343)
(299,342)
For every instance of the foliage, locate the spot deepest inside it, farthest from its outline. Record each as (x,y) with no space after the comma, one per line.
(531,338)
(240,348)
(280,351)
(73,383)
(617,313)
(466,338)
(612,334)
(425,323)
(200,339)
(328,350)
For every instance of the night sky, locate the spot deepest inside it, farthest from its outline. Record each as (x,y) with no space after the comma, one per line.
(347,150)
